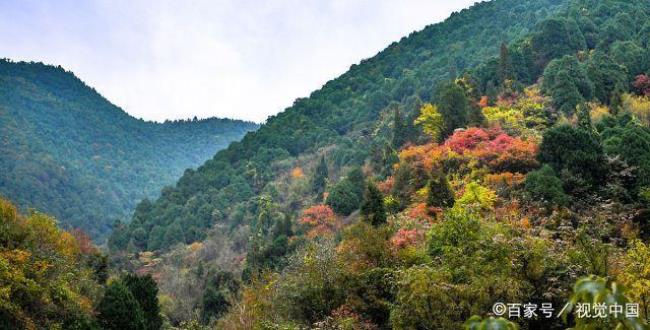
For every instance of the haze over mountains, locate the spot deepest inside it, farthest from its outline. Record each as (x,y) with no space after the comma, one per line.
(69,152)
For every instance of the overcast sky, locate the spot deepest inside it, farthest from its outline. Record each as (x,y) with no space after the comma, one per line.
(171,59)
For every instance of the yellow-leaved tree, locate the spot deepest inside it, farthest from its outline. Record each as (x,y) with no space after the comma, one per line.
(430,120)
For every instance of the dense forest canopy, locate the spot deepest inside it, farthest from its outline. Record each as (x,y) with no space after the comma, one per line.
(69,152)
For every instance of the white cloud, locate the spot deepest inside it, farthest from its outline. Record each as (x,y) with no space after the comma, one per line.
(168,59)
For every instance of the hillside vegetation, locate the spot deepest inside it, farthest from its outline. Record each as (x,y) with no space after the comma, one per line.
(499,156)
(69,152)
(344,119)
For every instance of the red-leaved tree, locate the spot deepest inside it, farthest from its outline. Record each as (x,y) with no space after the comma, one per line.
(321,220)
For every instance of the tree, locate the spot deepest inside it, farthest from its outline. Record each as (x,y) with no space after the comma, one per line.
(453,106)
(635,276)
(346,195)
(321,220)
(119,310)
(642,85)
(475,195)
(566,81)
(440,193)
(399,129)
(219,289)
(505,64)
(583,115)
(174,234)
(431,121)
(319,179)
(630,142)
(607,76)
(373,208)
(556,37)
(630,56)
(145,291)
(343,198)
(357,180)
(574,150)
(545,187)
(156,238)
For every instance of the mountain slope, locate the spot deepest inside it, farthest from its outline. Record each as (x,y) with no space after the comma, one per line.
(69,152)
(527,173)
(343,115)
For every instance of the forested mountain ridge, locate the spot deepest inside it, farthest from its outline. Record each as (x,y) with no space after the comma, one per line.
(500,156)
(68,151)
(342,114)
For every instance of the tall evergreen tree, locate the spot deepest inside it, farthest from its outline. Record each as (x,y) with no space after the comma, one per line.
(218,288)
(453,106)
(505,64)
(584,117)
(319,179)
(606,75)
(575,151)
(174,234)
(373,208)
(119,310)
(440,194)
(145,291)
(565,94)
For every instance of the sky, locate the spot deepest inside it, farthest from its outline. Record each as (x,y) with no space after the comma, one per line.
(173,59)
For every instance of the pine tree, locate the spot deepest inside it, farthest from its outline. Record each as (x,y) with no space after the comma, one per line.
(174,234)
(119,310)
(219,286)
(440,194)
(566,95)
(357,179)
(491,92)
(505,64)
(373,208)
(584,118)
(145,291)
(319,180)
(453,106)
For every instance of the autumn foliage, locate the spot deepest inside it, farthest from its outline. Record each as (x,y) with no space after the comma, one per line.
(321,221)
(44,268)
(642,84)
(406,237)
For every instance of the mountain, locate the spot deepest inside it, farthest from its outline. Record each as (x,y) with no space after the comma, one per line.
(488,172)
(341,120)
(68,151)
(499,156)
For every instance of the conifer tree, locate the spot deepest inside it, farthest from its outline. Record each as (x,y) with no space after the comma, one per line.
(145,291)
(505,64)
(566,95)
(119,310)
(453,106)
(319,180)
(440,194)
(584,118)
(398,129)
(373,208)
